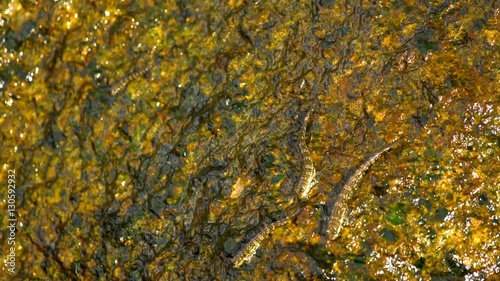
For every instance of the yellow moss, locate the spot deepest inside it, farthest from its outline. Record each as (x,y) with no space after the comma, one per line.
(491,35)
(177,191)
(389,42)
(238,187)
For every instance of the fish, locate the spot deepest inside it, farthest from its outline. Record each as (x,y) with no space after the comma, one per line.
(308,177)
(340,211)
(120,85)
(248,251)
(306,182)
